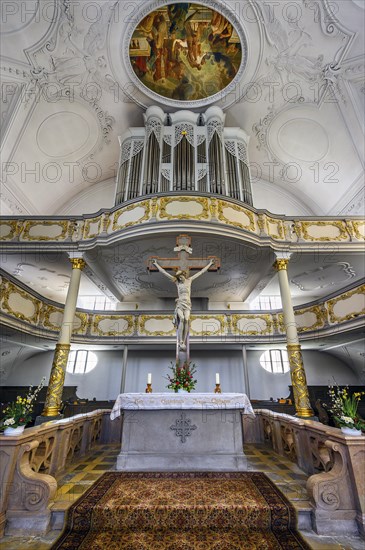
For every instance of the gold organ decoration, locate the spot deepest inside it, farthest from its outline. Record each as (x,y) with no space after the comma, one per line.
(299,381)
(55,385)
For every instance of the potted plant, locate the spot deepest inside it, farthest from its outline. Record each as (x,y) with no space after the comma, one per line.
(18,413)
(344,410)
(182,377)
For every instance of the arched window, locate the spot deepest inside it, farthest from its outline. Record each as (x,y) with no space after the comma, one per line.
(275,361)
(81,361)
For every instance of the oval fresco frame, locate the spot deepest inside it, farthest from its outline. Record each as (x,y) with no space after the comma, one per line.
(154,5)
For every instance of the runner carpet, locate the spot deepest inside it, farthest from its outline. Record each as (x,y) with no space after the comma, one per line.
(181,511)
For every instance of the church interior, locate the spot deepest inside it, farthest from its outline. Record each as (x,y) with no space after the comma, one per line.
(182,206)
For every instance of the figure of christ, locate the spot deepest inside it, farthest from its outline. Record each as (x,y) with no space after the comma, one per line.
(183,301)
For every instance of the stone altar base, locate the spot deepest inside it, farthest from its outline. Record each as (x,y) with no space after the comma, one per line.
(182,440)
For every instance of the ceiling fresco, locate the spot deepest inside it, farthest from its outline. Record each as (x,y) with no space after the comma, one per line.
(186,52)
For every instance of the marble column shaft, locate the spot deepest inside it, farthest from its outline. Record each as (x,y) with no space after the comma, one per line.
(297,372)
(57,376)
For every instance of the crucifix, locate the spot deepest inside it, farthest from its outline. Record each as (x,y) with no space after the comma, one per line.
(182,264)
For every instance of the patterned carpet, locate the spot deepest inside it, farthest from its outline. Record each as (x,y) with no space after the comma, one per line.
(181,511)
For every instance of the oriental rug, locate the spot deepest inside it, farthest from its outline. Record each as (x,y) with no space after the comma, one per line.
(181,511)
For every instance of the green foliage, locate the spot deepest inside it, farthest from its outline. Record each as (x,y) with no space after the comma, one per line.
(19,413)
(344,408)
(182,377)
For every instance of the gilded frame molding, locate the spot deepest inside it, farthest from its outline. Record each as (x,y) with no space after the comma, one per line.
(235,318)
(146,216)
(222,218)
(96,319)
(331,304)
(46,223)
(165,201)
(142,320)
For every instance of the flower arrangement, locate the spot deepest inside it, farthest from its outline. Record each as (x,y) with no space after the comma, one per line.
(344,408)
(182,377)
(19,413)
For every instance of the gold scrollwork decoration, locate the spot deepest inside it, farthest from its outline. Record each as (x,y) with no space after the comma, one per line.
(55,385)
(145,217)
(236,318)
(221,216)
(128,331)
(356,229)
(331,304)
(48,310)
(340,225)
(165,201)
(320,317)
(12,225)
(63,224)
(9,289)
(143,319)
(299,381)
(279,227)
(221,329)
(87,227)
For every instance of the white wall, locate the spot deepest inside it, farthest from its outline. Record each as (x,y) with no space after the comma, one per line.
(321,369)
(103,382)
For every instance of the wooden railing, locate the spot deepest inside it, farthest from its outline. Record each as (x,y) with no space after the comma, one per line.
(31,462)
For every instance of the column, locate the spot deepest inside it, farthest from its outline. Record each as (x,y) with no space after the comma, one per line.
(124,369)
(297,372)
(57,376)
(245,372)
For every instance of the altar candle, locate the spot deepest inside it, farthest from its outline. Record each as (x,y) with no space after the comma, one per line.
(149,378)
(217,378)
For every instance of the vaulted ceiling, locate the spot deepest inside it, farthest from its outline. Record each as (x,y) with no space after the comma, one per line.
(68,91)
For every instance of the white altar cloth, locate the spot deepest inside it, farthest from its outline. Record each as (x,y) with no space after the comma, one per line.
(202,401)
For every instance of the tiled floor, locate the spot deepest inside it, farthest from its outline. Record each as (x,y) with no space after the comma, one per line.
(81,475)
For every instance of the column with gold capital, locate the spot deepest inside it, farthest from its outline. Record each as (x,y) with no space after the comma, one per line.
(57,376)
(297,372)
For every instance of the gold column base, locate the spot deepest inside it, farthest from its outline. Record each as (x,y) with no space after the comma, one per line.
(217,388)
(55,385)
(149,388)
(299,381)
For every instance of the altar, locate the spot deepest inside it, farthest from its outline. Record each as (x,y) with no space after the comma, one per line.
(189,432)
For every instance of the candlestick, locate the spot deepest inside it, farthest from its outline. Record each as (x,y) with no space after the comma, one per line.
(217,381)
(149,388)
(217,388)
(149,378)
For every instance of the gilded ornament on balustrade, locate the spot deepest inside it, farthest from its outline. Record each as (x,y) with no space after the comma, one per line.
(213,208)
(12,225)
(265,317)
(146,205)
(55,386)
(306,225)
(279,228)
(356,229)
(8,290)
(320,317)
(221,216)
(63,224)
(128,331)
(48,310)
(165,201)
(87,227)
(352,315)
(221,329)
(299,381)
(143,331)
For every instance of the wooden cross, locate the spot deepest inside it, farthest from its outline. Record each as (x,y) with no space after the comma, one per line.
(183,261)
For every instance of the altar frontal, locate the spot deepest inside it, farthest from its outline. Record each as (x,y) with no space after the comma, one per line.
(177,432)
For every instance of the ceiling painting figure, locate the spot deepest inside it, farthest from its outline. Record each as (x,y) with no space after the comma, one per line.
(185,52)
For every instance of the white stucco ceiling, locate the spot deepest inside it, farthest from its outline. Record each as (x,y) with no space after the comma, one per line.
(67,93)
